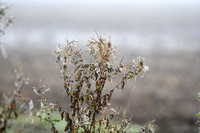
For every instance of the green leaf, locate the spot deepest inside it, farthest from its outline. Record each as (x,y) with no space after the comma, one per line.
(55,120)
(76,86)
(130,76)
(99,88)
(198,114)
(198,94)
(87,97)
(76,62)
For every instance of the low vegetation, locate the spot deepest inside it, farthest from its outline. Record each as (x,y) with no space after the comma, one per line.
(88,83)
(15,104)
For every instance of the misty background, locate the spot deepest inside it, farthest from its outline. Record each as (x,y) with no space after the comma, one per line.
(166,33)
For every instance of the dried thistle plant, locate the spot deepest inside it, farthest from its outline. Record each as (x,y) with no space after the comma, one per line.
(15,103)
(44,114)
(86,85)
(5,21)
(150,127)
(5,17)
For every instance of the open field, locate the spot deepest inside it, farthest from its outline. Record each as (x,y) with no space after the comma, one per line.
(165,33)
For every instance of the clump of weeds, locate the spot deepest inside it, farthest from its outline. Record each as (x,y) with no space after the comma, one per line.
(89,87)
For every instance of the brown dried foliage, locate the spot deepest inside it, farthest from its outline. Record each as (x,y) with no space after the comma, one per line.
(86,85)
(15,103)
